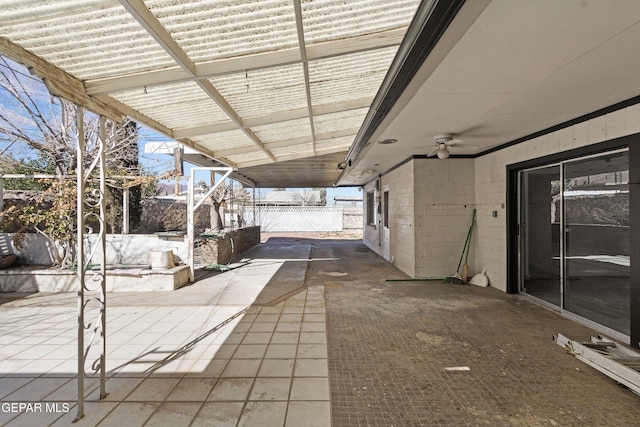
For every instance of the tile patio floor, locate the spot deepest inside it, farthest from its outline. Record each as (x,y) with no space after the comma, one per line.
(174,365)
(172,361)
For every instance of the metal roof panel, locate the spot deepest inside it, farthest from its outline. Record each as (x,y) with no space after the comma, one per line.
(227,28)
(326,20)
(178,105)
(264,91)
(83,37)
(229,75)
(348,77)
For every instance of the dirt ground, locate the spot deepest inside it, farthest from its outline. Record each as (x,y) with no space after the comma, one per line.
(347,235)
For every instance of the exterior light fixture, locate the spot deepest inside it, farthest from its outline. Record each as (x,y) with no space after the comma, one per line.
(387,141)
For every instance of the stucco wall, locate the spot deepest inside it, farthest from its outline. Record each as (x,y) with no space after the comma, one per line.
(491,180)
(136,248)
(121,248)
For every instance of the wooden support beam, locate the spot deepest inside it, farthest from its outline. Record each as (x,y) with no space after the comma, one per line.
(58,82)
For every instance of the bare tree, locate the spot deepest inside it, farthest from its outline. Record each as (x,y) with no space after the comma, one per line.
(241,201)
(218,200)
(307,197)
(35,126)
(226,197)
(33,122)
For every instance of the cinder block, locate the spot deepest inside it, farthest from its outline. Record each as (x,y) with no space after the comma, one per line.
(616,124)
(633,119)
(597,130)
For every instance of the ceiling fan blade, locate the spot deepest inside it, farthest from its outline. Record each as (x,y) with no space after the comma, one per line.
(433,152)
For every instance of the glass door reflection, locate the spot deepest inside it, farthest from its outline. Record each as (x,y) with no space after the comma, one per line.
(596,218)
(540,270)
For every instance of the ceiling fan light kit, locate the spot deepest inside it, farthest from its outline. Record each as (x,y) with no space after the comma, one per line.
(443,153)
(443,142)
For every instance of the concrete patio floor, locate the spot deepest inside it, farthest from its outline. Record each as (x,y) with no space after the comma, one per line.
(307,332)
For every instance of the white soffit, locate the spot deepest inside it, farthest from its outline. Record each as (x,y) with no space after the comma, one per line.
(511,69)
(257,82)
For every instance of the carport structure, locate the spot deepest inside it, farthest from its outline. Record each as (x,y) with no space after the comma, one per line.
(546,91)
(245,83)
(275,89)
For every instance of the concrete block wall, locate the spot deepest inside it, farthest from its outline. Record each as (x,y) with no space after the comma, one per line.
(401,186)
(491,232)
(399,183)
(444,200)
(430,206)
(352,219)
(491,180)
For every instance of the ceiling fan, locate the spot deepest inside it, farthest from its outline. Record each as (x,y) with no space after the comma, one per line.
(444,141)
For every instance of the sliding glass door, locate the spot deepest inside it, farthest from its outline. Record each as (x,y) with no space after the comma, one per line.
(596,217)
(539,230)
(574,237)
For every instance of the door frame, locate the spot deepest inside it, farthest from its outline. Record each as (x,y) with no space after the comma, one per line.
(520,245)
(632,142)
(386,224)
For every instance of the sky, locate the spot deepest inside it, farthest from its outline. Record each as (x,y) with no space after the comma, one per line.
(158,163)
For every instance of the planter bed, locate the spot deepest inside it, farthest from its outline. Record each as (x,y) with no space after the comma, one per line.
(38,279)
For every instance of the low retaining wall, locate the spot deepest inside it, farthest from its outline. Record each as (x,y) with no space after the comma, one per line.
(137,248)
(121,248)
(133,280)
(223,247)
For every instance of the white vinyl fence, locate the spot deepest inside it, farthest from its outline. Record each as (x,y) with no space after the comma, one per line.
(297,218)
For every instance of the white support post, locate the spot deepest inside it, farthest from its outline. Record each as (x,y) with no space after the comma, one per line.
(192,206)
(125,210)
(80,259)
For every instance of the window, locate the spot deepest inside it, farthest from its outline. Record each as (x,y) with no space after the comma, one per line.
(371,218)
(385,206)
